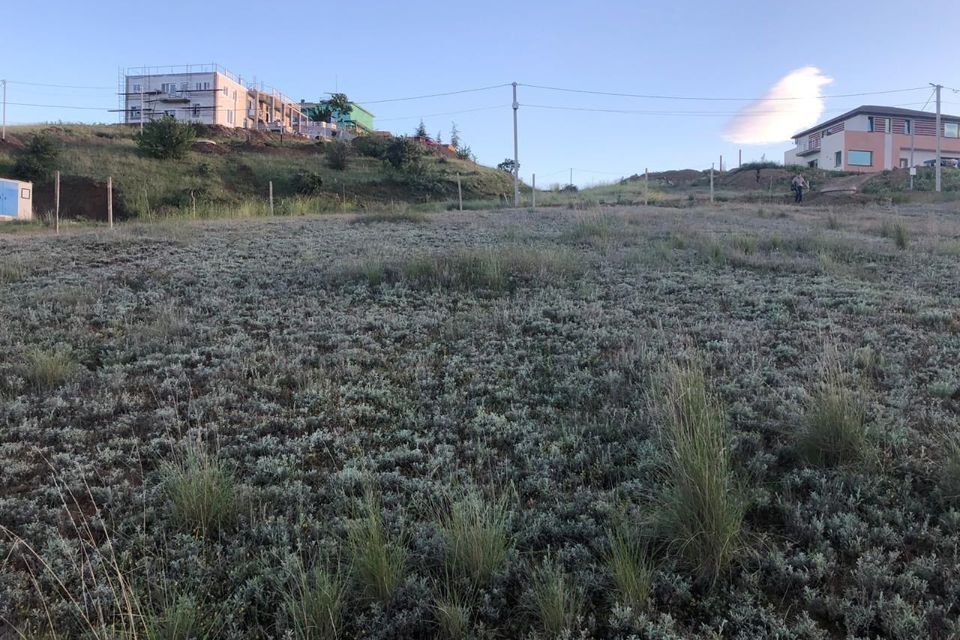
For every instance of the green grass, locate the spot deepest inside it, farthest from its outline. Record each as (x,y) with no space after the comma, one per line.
(699,512)
(476,532)
(630,566)
(314,600)
(834,431)
(182,619)
(557,602)
(47,369)
(453,614)
(202,492)
(379,562)
(898,232)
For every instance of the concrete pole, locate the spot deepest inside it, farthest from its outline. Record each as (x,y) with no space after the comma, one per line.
(533,193)
(913,145)
(143,110)
(56,201)
(110,201)
(939,169)
(459,191)
(646,187)
(3,136)
(516,154)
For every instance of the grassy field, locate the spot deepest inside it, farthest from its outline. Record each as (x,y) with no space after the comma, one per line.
(729,422)
(231,179)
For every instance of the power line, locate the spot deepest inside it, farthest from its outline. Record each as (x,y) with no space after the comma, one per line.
(680,113)
(711,99)
(434,95)
(59,106)
(446,113)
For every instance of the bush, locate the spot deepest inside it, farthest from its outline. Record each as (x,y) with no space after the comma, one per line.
(477,536)
(379,563)
(166,138)
(307,183)
(338,155)
(699,512)
(403,154)
(371,146)
(202,491)
(39,159)
(834,429)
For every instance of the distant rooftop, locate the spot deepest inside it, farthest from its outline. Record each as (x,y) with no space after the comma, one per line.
(874,110)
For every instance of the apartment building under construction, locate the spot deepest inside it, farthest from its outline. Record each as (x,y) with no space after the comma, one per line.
(206,94)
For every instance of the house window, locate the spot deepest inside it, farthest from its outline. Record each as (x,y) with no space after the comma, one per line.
(134,113)
(206,86)
(951,130)
(903,163)
(878,125)
(136,88)
(906,126)
(25,194)
(224,91)
(196,110)
(860,158)
(812,164)
(198,86)
(838,159)
(170,112)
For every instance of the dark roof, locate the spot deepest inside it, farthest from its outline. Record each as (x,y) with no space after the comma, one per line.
(874,110)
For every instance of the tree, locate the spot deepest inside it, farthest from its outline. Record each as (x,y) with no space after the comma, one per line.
(166,138)
(39,159)
(403,154)
(338,104)
(507,165)
(437,139)
(466,153)
(338,155)
(454,135)
(421,131)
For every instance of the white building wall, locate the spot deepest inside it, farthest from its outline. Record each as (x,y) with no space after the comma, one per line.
(829,146)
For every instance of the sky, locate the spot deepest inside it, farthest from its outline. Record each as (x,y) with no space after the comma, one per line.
(737,54)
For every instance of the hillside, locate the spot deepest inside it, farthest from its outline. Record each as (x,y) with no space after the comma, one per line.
(230,175)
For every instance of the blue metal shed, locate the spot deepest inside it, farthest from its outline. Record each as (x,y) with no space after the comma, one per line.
(16,200)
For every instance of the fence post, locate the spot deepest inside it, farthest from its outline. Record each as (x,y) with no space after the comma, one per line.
(56,202)
(110,201)
(271,197)
(459,191)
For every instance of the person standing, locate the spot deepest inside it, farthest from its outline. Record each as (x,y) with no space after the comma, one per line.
(798,184)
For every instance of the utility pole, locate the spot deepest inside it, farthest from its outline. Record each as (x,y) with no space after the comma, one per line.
(143,110)
(533,193)
(939,169)
(913,145)
(516,154)
(4,134)
(646,187)
(711,183)
(571,175)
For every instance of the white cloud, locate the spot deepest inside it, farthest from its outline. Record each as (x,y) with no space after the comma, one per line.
(773,119)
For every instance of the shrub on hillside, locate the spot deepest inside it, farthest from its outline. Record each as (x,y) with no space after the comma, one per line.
(338,156)
(307,183)
(39,159)
(166,138)
(371,147)
(403,154)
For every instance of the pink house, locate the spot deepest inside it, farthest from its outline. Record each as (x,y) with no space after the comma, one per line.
(872,138)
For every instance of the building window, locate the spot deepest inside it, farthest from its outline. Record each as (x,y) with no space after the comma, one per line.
(136,88)
(812,164)
(860,158)
(134,113)
(903,163)
(170,112)
(206,86)
(906,126)
(878,125)
(224,91)
(838,159)
(951,130)
(196,110)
